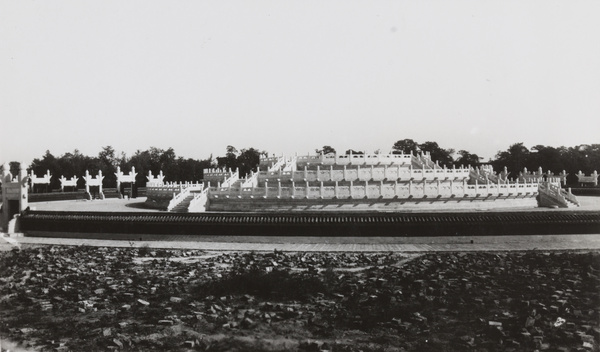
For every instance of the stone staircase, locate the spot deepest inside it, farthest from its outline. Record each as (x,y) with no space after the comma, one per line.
(552,196)
(182,200)
(290,165)
(250,181)
(182,206)
(199,202)
(483,176)
(421,161)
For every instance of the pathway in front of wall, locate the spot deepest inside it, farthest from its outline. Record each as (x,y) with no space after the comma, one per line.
(328,244)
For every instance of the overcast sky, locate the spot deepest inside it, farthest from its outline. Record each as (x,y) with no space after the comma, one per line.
(292,76)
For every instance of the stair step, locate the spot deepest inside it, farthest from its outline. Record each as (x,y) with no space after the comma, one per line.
(182,207)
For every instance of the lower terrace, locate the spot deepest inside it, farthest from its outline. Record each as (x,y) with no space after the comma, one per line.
(138,205)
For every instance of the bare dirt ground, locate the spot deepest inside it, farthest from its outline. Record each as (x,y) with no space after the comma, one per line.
(57,298)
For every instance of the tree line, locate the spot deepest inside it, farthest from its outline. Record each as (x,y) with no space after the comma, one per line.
(175,168)
(584,157)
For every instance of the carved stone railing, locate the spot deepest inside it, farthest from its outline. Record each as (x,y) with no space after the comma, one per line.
(251,181)
(181,192)
(390,190)
(178,198)
(569,196)
(484,175)
(556,196)
(291,164)
(200,202)
(354,159)
(168,189)
(232,179)
(363,173)
(280,163)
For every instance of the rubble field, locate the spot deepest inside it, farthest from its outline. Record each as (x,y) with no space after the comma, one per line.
(56,298)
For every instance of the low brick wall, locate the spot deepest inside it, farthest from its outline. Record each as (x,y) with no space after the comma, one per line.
(333,205)
(315,224)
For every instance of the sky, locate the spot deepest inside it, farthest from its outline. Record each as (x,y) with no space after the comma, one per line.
(292,76)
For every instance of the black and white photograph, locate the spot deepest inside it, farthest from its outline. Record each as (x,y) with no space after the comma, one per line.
(311,176)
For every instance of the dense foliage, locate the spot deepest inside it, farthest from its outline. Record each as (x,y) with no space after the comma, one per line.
(175,168)
(584,157)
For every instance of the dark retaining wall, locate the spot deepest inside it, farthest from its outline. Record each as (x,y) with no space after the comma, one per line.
(589,191)
(316,224)
(56,196)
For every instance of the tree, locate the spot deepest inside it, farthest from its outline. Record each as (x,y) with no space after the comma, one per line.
(325,150)
(229,161)
(142,161)
(588,156)
(248,161)
(191,169)
(15,167)
(107,157)
(352,151)
(108,164)
(168,164)
(47,162)
(465,158)
(174,168)
(245,161)
(406,146)
(514,158)
(548,158)
(443,156)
